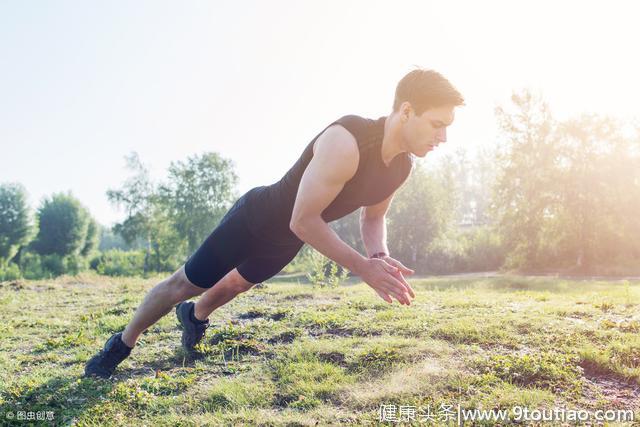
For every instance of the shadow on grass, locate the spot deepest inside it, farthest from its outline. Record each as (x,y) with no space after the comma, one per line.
(67,397)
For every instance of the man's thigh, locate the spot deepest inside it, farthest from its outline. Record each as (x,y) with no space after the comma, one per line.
(270,262)
(229,245)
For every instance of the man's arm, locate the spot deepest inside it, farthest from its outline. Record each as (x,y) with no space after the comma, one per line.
(335,161)
(373,227)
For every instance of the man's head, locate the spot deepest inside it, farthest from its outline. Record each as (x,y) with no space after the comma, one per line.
(424,104)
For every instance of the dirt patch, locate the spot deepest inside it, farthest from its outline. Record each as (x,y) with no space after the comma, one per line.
(617,393)
(252,314)
(334,357)
(283,338)
(297,297)
(13,286)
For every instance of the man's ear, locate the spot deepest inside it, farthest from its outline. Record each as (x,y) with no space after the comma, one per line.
(405,111)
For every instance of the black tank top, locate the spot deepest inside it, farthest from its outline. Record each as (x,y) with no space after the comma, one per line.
(270,207)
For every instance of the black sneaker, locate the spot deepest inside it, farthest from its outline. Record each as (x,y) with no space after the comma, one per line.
(192,331)
(104,363)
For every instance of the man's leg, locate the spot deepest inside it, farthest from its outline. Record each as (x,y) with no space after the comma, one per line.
(158,302)
(221,293)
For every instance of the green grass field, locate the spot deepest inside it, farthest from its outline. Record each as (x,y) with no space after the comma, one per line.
(289,354)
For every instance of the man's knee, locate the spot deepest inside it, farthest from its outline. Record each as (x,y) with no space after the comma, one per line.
(239,283)
(182,287)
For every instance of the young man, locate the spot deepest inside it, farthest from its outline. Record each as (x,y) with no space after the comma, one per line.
(354,162)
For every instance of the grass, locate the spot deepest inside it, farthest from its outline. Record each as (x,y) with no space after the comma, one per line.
(288,354)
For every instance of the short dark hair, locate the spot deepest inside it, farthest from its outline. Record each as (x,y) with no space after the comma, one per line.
(425,89)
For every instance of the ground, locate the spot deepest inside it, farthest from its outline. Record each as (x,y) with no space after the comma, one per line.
(286,353)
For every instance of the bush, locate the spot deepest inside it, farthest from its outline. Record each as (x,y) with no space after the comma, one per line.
(31,266)
(53,265)
(35,266)
(325,272)
(445,255)
(484,250)
(116,262)
(478,249)
(75,264)
(10,272)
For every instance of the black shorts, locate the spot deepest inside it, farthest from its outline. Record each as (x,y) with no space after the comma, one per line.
(231,245)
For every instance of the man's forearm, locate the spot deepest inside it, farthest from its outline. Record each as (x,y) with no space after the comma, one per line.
(374,234)
(321,237)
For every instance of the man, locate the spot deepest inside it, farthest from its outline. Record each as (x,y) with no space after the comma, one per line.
(354,162)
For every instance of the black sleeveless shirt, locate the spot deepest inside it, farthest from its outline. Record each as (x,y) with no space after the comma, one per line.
(269,208)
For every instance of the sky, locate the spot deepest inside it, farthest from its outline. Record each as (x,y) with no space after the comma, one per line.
(84,83)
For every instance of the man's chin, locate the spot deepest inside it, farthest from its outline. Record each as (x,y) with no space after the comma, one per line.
(423,153)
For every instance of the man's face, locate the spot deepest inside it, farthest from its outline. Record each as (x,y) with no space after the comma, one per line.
(425,132)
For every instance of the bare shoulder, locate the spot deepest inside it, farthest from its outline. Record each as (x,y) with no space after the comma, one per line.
(336,137)
(336,151)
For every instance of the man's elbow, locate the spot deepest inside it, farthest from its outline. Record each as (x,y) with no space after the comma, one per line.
(297,227)
(301,227)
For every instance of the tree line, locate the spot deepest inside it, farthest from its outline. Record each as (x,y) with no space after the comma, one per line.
(549,196)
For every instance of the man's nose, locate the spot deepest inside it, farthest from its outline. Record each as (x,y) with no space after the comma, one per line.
(442,135)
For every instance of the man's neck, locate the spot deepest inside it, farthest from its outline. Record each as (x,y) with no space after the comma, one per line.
(392,143)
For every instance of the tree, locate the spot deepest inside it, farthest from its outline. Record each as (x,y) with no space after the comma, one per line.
(15,222)
(198,193)
(137,197)
(64,223)
(523,191)
(147,218)
(420,212)
(92,240)
(597,184)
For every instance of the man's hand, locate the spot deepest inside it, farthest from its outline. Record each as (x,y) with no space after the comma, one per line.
(402,270)
(387,280)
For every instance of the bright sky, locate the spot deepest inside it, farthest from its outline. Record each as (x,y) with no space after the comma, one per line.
(82,83)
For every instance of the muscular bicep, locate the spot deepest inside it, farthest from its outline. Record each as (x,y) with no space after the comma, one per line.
(334,162)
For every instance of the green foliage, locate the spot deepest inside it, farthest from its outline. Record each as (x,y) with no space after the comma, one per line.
(567,193)
(523,190)
(74,264)
(444,255)
(477,249)
(15,222)
(116,262)
(92,239)
(420,212)
(324,272)
(197,194)
(34,266)
(64,224)
(110,240)
(173,218)
(145,219)
(31,266)
(52,265)
(10,271)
